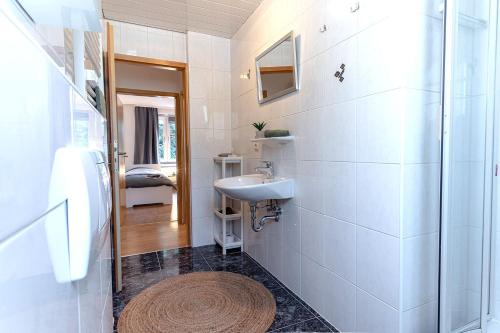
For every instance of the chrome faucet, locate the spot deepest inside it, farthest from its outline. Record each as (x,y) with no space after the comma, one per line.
(266,169)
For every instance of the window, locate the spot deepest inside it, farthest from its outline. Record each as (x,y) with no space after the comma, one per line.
(161,139)
(172,136)
(167,145)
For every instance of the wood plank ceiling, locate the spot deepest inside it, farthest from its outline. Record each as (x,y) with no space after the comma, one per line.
(214,17)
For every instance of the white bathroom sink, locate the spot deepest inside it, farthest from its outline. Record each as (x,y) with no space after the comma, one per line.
(254,188)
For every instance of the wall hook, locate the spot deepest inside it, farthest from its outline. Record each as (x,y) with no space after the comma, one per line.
(355,7)
(323,28)
(340,74)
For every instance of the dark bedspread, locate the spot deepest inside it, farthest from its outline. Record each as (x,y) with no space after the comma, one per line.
(146,177)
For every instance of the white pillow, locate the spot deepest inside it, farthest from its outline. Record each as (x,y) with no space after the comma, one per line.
(151,166)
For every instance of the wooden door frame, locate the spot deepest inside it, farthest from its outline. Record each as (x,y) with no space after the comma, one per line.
(183,135)
(110,90)
(182,128)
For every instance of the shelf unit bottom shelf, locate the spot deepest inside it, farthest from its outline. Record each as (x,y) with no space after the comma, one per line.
(232,245)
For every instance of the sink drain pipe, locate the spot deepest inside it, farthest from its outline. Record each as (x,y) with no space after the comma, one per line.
(258,224)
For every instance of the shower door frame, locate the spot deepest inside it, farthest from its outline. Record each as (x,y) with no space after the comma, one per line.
(450,23)
(495,142)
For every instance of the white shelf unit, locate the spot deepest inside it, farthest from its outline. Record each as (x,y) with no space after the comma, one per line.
(228,228)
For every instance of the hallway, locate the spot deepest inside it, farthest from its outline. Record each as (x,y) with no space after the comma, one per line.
(150,228)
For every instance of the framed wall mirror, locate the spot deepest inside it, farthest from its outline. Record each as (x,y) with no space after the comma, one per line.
(276,69)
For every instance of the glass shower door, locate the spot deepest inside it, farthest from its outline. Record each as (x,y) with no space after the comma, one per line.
(466,166)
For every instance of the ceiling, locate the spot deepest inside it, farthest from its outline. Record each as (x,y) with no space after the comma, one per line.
(214,17)
(160,102)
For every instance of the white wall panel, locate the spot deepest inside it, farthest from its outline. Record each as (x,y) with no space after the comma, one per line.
(210,114)
(45,113)
(358,154)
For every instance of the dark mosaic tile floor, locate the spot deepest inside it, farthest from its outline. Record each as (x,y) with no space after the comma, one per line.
(144,270)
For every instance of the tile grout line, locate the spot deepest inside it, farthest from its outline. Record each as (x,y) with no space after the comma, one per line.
(300,322)
(280,284)
(327,324)
(296,297)
(206,261)
(158,260)
(315,314)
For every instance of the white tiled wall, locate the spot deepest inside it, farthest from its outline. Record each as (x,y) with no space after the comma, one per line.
(210,120)
(359,240)
(42,119)
(149,42)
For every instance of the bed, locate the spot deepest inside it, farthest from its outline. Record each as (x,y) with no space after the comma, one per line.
(146,184)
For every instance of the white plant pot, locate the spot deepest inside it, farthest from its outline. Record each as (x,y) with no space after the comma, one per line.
(259,134)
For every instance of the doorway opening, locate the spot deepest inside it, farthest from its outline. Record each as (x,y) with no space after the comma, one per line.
(157,217)
(148,199)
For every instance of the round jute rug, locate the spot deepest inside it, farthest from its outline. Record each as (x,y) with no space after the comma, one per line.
(200,302)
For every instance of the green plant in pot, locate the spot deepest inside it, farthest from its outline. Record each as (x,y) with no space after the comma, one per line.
(259,126)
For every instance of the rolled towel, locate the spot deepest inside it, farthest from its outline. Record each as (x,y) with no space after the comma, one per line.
(276,133)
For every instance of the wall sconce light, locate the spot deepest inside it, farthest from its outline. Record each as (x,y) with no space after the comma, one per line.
(245,76)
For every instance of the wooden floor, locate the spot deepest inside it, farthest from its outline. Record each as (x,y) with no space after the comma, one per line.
(150,228)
